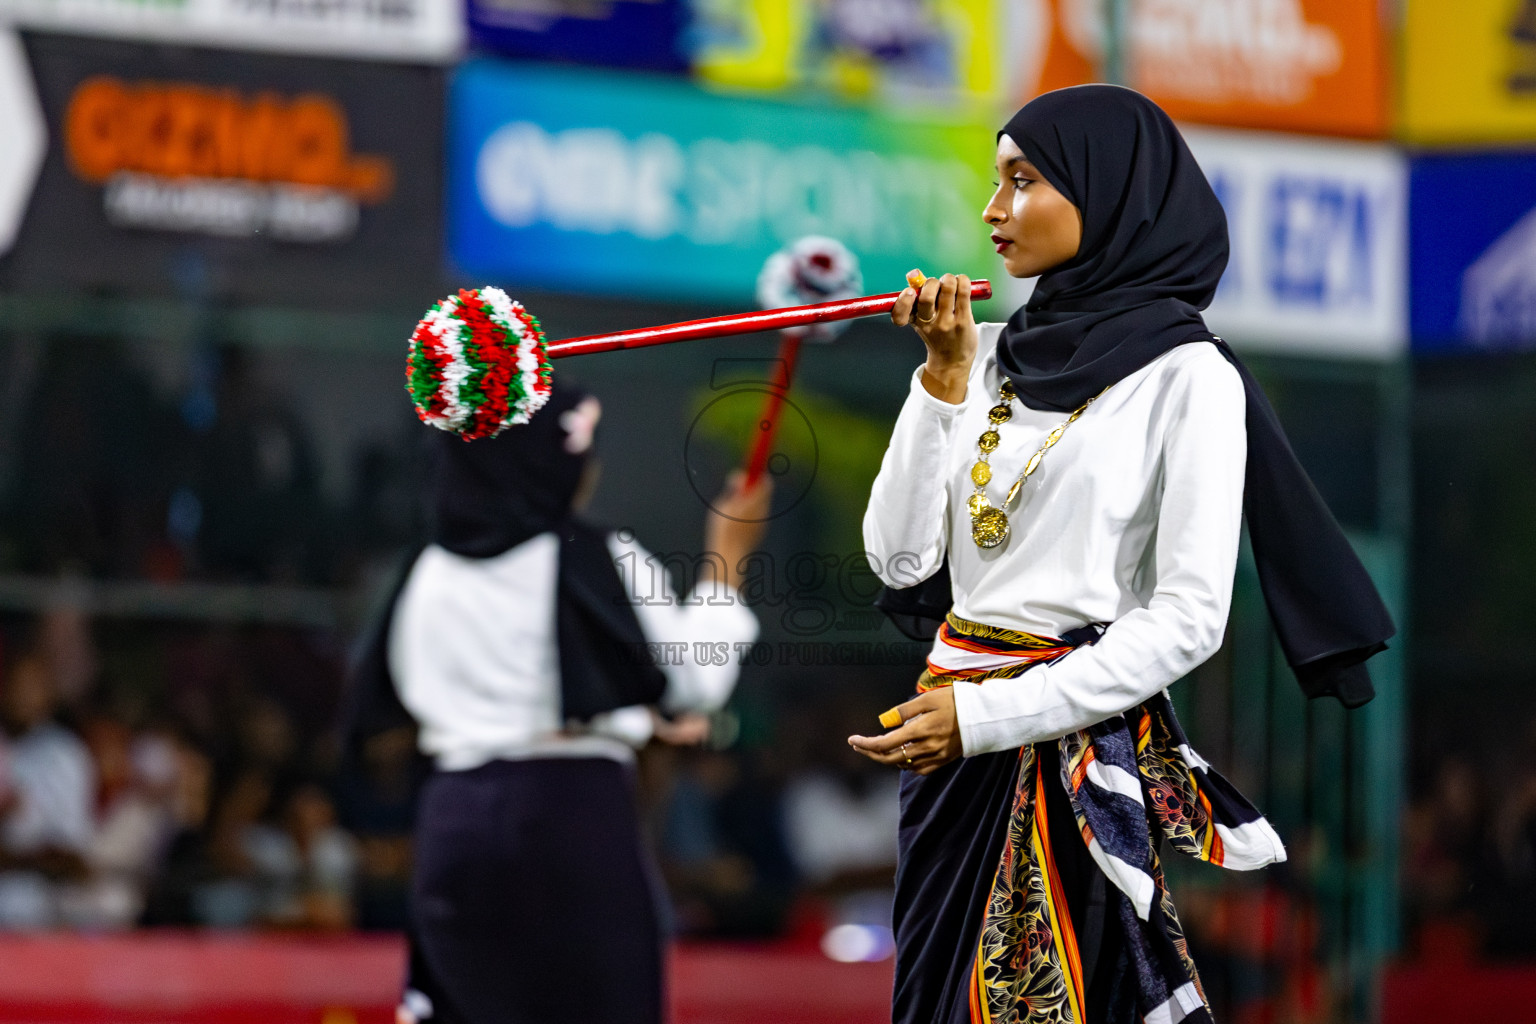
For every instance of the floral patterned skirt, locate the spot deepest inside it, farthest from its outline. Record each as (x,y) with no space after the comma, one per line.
(1028,886)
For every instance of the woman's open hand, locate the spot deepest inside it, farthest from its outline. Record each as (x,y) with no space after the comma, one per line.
(927,738)
(940,312)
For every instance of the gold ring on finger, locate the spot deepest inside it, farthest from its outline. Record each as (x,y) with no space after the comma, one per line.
(904,752)
(922,321)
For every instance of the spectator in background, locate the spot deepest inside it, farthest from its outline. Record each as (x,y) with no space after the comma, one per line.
(136,787)
(1444,842)
(1511,902)
(49,825)
(377,802)
(66,646)
(728,868)
(228,891)
(266,738)
(184,864)
(273,855)
(841,824)
(840,816)
(305,865)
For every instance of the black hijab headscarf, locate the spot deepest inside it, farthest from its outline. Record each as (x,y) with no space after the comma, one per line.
(487,497)
(490,495)
(1153,249)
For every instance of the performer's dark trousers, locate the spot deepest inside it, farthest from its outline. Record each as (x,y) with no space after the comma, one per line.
(533,902)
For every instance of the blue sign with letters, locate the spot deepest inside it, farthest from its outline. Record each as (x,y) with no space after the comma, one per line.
(1473,252)
(1317,231)
(622,33)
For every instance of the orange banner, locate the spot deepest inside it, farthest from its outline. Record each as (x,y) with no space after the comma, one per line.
(179,130)
(1297,65)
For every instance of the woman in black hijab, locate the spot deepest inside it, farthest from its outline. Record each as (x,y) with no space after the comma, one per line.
(518,642)
(1065,492)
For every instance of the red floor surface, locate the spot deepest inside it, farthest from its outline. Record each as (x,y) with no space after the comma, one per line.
(159,978)
(1450,993)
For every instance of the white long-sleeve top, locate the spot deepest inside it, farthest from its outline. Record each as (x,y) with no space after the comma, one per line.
(474,654)
(1133,519)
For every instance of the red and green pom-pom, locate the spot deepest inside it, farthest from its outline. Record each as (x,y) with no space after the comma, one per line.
(477,364)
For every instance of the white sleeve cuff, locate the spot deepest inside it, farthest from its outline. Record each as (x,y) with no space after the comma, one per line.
(632,725)
(991,717)
(936,405)
(721,614)
(968,713)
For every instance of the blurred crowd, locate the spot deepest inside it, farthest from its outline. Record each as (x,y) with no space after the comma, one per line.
(214,807)
(221,799)
(1469,853)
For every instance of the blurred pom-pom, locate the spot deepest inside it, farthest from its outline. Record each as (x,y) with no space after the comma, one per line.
(811,269)
(477,364)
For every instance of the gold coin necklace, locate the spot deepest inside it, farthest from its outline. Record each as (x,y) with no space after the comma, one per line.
(989,523)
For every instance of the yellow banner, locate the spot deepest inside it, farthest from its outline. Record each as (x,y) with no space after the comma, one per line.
(927,48)
(1469,71)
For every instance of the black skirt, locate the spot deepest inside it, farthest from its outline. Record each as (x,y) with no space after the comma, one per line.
(532,899)
(954,825)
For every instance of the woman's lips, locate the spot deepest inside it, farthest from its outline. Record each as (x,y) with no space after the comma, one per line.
(1001,242)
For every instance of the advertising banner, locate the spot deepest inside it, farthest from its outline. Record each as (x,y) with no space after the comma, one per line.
(1473,246)
(229,175)
(620,33)
(1318,232)
(1298,65)
(649,187)
(1469,71)
(416,30)
(925,48)
(25,134)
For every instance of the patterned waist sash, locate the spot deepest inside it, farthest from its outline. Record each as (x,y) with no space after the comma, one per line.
(970,652)
(1133,781)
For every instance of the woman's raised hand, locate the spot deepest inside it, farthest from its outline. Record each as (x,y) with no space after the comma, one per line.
(940,311)
(736,521)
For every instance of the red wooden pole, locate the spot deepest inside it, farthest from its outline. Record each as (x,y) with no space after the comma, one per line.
(773,402)
(739,323)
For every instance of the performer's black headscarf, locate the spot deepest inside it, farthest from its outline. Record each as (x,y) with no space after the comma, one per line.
(487,497)
(490,495)
(1153,249)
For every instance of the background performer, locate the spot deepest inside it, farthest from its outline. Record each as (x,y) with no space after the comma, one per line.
(1073,481)
(517,644)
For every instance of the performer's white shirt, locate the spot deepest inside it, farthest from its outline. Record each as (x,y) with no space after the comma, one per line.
(473,651)
(1133,519)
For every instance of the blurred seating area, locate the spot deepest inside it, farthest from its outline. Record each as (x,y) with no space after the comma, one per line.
(224,801)
(215,808)
(1469,854)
